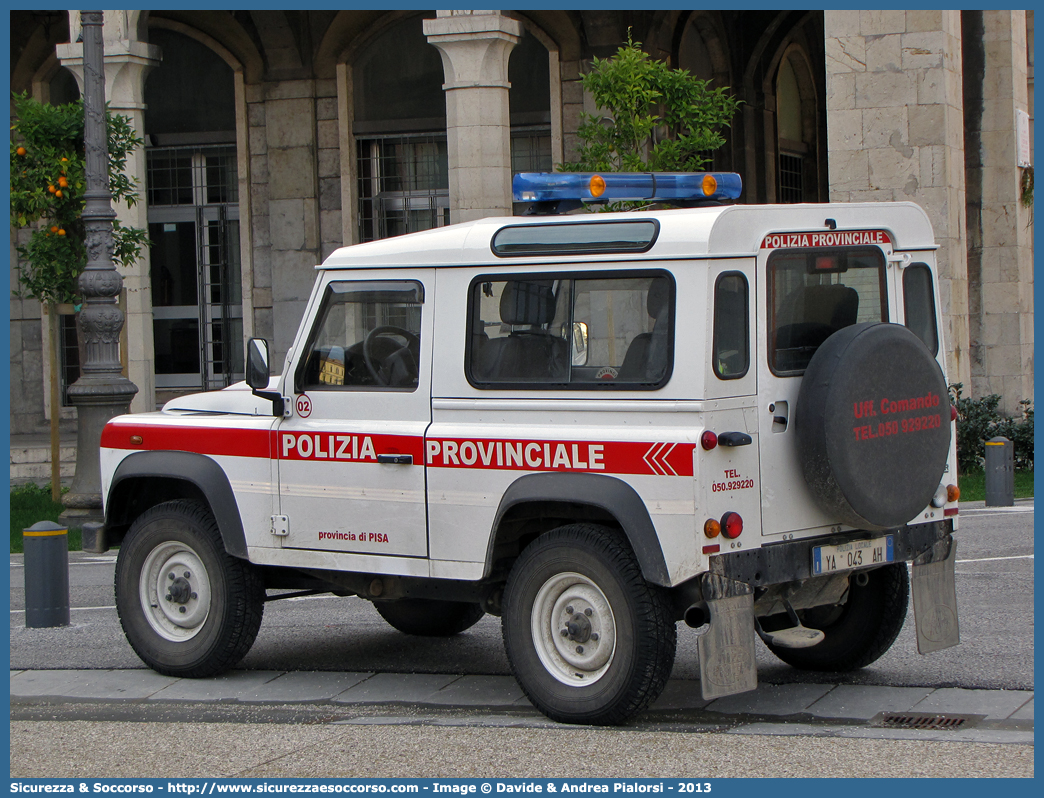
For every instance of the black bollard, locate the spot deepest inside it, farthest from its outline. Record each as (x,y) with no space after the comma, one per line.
(46,569)
(1000,472)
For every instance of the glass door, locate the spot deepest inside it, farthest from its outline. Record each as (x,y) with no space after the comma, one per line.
(196,285)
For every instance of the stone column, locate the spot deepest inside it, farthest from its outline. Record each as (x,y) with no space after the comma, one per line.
(475,46)
(895,131)
(127,63)
(1001,226)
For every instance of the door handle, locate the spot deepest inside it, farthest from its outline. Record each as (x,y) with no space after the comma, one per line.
(734,439)
(395,459)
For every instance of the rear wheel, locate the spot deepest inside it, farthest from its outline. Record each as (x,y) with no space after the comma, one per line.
(187,607)
(589,640)
(859,631)
(430,618)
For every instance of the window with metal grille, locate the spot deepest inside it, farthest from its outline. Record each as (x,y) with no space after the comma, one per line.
(69,355)
(192,176)
(791,178)
(403,185)
(531,149)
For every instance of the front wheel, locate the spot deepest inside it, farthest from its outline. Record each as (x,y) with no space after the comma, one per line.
(859,631)
(589,640)
(187,607)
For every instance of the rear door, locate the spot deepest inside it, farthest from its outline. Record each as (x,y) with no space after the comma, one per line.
(806,293)
(728,474)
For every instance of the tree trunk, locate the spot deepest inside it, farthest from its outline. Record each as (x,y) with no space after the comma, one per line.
(56,402)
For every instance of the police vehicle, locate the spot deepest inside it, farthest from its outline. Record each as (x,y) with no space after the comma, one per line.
(594,426)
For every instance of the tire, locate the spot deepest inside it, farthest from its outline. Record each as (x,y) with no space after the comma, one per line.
(223,596)
(860,631)
(430,618)
(586,576)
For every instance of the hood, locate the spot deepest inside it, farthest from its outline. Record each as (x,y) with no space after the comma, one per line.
(236,398)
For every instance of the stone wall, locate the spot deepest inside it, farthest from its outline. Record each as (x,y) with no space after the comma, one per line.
(295,199)
(895,127)
(1000,226)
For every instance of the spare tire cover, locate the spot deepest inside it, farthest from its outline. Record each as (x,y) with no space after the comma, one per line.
(873,425)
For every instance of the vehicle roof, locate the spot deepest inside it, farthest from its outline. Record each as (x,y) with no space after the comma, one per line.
(721,231)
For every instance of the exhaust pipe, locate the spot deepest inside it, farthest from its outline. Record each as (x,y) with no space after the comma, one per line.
(695,616)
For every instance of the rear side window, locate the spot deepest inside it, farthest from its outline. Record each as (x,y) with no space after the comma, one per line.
(813,293)
(591,331)
(731,326)
(919,301)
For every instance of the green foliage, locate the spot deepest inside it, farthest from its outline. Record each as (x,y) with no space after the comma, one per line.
(978,420)
(47,193)
(32,503)
(973,485)
(659,119)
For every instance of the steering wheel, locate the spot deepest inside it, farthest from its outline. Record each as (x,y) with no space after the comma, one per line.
(404,354)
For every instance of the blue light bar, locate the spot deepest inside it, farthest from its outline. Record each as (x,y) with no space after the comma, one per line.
(630,186)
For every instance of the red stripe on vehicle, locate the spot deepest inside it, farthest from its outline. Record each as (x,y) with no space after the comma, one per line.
(228,441)
(611,457)
(662,458)
(344,446)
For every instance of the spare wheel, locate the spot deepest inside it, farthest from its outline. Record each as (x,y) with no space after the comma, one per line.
(873,425)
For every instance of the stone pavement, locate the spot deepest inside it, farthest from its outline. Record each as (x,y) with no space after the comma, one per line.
(993,716)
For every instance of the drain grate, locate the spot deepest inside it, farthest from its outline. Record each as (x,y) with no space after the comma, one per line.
(914,720)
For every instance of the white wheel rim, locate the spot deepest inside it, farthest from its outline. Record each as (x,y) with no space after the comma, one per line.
(574,630)
(175,591)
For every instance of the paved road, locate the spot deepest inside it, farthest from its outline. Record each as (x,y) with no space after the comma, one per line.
(330,690)
(995,597)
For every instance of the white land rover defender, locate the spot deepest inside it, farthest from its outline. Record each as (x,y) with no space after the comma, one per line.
(593,426)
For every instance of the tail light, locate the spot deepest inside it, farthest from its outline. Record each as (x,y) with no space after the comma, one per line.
(708,440)
(731,525)
(953,493)
(711,528)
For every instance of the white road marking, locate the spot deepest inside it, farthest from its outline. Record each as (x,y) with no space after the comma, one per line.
(77,608)
(991,559)
(1023,508)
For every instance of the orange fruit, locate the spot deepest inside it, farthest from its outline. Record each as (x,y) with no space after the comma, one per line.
(20,150)
(58,193)
(61,232)
(54,228)
(51,189)
(63,182)
(65,160)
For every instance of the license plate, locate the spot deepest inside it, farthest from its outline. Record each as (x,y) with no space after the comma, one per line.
(855,554)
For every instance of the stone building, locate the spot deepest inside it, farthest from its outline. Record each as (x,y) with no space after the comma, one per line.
(273,137)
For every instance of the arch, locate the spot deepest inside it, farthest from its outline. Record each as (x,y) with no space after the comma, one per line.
(796,58)
(205,39)
(348,33)
(37,54)
(702,47)
(797,128)
(188,90)
(221,32)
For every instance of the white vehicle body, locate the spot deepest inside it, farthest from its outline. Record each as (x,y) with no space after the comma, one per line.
(448,475)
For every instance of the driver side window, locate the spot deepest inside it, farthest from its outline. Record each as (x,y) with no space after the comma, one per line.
(366,336)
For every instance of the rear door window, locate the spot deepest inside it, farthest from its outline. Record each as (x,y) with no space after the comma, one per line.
(919,305)
(813,293)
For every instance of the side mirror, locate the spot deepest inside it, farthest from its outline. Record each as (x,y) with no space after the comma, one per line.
(257,373)
(257,364)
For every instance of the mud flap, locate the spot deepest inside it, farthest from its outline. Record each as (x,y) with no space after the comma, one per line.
(726,649)
(935,598)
